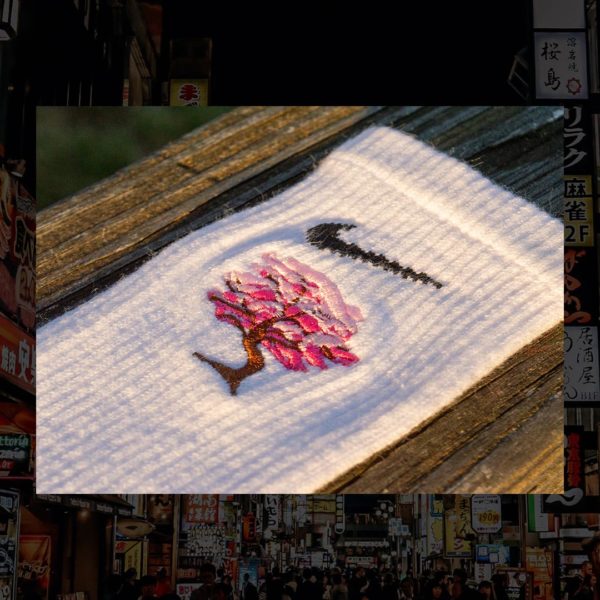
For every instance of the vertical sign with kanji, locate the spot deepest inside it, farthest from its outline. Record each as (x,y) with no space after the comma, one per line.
(340,518)
(560,65)
(574,463)
(560,50)
(457,529)
(581,374)
(578,177)
(272,513)
(200,508)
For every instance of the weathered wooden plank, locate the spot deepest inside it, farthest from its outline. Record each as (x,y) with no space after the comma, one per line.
(503,468)
(448,446)
(110,220)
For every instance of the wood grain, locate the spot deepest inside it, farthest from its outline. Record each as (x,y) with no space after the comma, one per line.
(503,435)
(478,434)
(106,221)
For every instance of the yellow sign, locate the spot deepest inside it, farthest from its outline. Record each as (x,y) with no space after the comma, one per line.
(320,504)
(578,210)
(577,186)
(541,562)
(457,529)
(579,222)
(188,92)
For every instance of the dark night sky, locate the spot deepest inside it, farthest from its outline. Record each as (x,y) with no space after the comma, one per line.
(432,53)
(339,53)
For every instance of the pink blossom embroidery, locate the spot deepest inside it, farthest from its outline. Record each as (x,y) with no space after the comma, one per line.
(293,311)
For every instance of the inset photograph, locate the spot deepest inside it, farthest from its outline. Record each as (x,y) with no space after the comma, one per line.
(301,299)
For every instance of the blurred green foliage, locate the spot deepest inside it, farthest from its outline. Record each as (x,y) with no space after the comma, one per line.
(79,146)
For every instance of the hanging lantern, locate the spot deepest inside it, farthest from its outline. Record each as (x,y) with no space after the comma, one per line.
(9,17)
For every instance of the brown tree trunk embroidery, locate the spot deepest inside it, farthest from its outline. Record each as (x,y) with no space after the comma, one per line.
(293,311)
(254,363)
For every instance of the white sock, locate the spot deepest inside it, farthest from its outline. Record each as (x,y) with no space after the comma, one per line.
(461,274)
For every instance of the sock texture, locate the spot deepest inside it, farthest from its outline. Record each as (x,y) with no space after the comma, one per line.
(273,350)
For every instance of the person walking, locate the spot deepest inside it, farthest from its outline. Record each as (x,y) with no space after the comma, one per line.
(249,591)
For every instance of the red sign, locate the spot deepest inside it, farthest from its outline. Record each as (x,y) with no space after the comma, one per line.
(581,296)
(34,563)
(574,464)
(201,508)
(17,355)
(17,252)
(249,528)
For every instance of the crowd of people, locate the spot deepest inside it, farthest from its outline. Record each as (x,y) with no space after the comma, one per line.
(584,586)
(316,584)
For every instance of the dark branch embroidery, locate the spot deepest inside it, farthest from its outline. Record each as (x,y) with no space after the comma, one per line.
(326,237)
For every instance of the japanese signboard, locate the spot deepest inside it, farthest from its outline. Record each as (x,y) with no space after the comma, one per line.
(577,141)
(578,210)
(581,297)
(578,180)
(560,65)
(85,504)
(574,460)
(189,92)
(130,554)
(203,542)
(272,514)
(457,529)
(540,562)
(9,531)
(496,554)
(581,375)
(483,572)
(435,526)
(249,528)
(321,503)
(486,513)
(17,253)
(340,519)
(15,449)
(17,355)
(34,563)
(200,508)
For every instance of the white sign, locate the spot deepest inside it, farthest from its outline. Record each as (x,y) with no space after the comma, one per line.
(486,513)
(483,572)
(581,376)
(558,14)
(272,510)
(560,65)
(361,561)
(340,517)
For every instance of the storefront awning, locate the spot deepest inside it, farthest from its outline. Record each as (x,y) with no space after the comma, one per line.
(109,504)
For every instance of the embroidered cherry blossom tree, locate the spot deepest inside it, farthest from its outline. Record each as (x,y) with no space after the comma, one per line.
(293,311)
